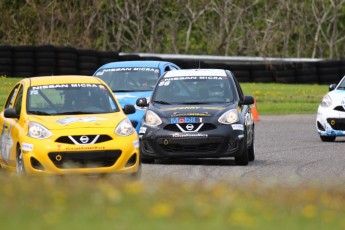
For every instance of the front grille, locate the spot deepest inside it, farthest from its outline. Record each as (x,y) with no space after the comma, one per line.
(205,127)
(77,139)
(337,123)
(89,159)
(191,145)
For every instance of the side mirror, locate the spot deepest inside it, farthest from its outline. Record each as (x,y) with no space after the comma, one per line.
(129,109)
(332,87)
(142,102)
(248,100)
(11,113)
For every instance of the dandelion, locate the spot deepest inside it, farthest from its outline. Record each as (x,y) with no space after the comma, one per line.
(161,210)
(309,211)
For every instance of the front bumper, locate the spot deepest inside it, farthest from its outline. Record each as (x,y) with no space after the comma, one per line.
(330,122)
(119,155)
(221,142)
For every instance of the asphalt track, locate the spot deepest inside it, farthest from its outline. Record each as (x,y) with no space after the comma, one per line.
(288,151)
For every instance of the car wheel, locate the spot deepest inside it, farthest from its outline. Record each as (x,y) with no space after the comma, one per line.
(251,151)
(328,138)
(20,162)
(243,158)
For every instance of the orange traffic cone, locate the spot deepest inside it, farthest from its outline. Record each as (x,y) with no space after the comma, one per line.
(254,110)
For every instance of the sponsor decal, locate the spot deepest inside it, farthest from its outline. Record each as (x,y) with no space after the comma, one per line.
(183,135)
(173,78)
(40,87)
(136,143)
(127,69)
(194,107)
(181,120)
(6,143)
(85,148)
(69,120)
(142,130)
(237,127)
(27,147)
(203,114)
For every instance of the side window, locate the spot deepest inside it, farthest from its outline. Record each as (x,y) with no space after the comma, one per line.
(18,101)
(172,67)
(238,87)
(10,100)
(167,68)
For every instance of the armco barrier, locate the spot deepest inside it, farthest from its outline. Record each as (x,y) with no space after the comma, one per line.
(27,61)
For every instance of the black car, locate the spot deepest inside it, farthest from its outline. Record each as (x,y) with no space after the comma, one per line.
(197,113)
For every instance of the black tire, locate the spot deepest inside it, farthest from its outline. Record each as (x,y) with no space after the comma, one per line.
(251,150)
(20,167)
(328,138)
(243,158)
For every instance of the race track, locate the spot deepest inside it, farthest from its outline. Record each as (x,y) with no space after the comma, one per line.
(288,151)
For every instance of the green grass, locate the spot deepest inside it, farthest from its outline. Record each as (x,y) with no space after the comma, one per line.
(272,98)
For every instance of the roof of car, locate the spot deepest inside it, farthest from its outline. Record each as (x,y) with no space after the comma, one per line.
(62,79)
(196,72)
(147,63)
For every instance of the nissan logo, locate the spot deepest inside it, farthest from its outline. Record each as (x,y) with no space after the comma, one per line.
(84,139)
(189,127)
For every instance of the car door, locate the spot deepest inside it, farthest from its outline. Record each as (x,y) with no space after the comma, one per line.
(7,142)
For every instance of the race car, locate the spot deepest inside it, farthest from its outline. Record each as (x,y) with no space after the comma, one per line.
(197,113)
(66,125)
(330,120)
(130,80)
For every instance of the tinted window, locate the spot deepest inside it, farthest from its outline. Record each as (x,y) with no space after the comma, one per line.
(129,79)
(194,90)
(70,99)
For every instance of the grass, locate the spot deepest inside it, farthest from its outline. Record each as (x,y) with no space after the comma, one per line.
(78,202)
(116,202)
(272,98)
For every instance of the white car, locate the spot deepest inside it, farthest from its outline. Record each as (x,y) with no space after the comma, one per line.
(330,121)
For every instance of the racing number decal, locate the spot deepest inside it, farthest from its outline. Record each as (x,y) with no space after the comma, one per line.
(6,143)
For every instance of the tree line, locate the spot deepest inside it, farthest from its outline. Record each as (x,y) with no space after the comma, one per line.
(266,28)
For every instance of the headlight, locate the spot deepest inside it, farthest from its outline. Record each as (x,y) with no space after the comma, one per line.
(326,101)
(229,117)
(151,118)
(38,131)
(125,128)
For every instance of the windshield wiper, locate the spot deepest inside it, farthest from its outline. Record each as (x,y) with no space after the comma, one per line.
(121,91)
(162,102)
(76,112)
(195,102)
(37,112)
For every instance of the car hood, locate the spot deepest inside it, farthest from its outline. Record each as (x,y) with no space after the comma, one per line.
(337,96)
(131,97)
(204,110)
(79,121)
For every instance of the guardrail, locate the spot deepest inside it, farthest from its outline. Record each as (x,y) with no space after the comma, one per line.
(27,61)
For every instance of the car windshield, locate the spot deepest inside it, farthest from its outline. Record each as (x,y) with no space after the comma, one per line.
(63,99)
(129,79)
(194,90)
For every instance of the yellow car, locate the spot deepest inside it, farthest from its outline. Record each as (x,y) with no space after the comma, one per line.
(66,125)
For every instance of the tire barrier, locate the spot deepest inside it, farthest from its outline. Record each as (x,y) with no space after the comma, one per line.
(27,61)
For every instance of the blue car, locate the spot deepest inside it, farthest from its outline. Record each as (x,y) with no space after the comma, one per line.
(130,80)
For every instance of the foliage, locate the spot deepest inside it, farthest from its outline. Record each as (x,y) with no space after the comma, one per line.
(282,28)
